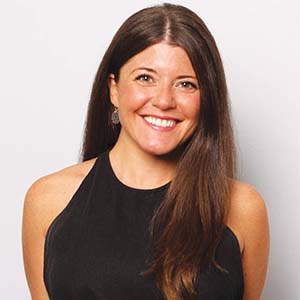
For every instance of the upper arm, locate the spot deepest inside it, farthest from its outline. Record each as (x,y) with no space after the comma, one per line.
(33,238)
(254,226)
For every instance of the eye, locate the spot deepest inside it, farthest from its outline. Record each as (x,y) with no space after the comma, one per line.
(144,78)
(188,85)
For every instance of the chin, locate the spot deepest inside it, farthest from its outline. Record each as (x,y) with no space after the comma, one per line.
(157,151)
(163,150)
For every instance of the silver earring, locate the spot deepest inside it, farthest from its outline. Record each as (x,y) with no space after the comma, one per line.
(115,116)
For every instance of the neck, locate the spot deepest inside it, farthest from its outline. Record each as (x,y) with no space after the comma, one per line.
(139,169)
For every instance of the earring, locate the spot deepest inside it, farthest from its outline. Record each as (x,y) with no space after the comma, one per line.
(115,116)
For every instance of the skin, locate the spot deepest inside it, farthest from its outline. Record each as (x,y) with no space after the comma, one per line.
(142,159)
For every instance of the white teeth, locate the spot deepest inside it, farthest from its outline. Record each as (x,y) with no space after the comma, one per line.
(160,122)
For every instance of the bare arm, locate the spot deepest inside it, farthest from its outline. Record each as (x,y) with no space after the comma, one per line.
(33,238)
(250,213)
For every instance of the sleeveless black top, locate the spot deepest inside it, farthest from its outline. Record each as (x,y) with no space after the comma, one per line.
(96,248)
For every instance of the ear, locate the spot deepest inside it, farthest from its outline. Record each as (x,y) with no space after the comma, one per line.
(113,90)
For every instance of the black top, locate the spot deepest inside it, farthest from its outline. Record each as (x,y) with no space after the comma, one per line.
(97,246)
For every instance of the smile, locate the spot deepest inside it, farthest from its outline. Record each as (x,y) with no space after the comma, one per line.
(160,122)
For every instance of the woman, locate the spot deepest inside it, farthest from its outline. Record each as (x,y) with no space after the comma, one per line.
(154,211)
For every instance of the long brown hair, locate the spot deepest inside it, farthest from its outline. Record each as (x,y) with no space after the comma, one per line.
(187,227)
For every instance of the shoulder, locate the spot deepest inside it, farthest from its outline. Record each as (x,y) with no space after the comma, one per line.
(248,212)
(247,201)
(49,194)
(249,219)
(44,200)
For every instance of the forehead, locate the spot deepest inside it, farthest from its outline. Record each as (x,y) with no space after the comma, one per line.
(161,57)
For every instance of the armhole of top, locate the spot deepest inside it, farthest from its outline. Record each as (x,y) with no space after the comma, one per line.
(71,201)
(234,238)
(59,215)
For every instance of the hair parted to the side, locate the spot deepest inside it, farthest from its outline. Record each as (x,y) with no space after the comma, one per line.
(187,227)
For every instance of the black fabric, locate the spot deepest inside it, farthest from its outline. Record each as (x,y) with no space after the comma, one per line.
(97,246)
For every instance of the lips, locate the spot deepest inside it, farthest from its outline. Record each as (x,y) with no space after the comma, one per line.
(162,124)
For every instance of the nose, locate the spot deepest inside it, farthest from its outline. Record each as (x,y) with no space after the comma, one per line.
(163,97)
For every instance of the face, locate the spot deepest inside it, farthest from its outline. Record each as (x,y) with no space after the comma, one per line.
(158,98)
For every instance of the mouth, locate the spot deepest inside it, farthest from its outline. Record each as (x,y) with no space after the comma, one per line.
(161,123)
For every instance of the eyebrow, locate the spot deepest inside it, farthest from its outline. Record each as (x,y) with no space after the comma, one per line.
(153,71)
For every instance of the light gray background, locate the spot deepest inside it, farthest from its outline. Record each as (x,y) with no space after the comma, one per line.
(50,51)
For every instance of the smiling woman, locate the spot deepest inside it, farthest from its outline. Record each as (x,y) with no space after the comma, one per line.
(154,211)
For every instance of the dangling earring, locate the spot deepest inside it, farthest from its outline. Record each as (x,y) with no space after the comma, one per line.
(115,116)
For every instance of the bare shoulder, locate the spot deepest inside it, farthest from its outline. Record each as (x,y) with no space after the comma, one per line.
(48,195)
(44,200)
(248,217)
(248,211)
(247,201)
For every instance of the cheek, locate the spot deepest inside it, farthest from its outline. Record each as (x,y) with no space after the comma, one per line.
(191,108)
(133,97)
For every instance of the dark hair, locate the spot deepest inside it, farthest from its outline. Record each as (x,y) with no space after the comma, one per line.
(192,217)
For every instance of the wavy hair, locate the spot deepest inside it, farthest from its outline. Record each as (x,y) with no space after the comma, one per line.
(187,227)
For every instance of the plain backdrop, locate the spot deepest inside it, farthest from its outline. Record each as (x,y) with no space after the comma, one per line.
(49,54)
